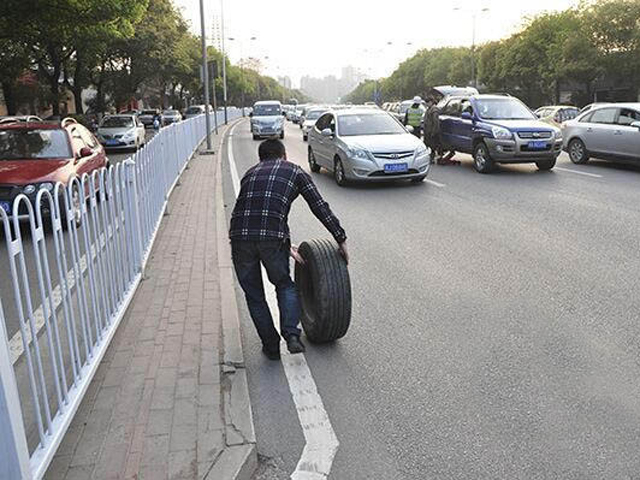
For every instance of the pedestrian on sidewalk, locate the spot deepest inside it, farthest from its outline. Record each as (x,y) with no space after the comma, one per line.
(260,236)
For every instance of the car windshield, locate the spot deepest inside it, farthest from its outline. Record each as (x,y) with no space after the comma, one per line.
(314,114)
(170,112)
(33,144)
(368,124)
(148,112)
(267,110)
(503,109)
(117,122)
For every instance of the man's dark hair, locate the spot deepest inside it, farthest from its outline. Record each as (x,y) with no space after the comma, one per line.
(271,149)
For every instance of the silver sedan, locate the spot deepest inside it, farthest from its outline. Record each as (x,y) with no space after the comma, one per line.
(609,132)
(366,145)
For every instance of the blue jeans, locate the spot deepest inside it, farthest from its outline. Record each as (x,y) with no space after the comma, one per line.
(248,256)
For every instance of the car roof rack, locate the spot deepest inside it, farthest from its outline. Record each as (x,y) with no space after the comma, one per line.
(20,119)
(66,121)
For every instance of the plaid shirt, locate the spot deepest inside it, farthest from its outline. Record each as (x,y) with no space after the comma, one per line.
(266,194)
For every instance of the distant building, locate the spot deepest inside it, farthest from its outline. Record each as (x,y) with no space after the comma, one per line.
(330,89)
(285,81)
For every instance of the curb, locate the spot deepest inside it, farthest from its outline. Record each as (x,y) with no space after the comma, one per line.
(239,459)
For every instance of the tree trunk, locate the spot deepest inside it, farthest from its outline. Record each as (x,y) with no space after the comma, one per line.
(9,97)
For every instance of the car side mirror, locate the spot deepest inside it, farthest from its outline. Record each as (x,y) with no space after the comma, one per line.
(410,128)
(327,132)
(85,152)
(636,125)
(466,116)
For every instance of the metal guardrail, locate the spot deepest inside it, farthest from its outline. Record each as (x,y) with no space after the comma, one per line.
(101,246)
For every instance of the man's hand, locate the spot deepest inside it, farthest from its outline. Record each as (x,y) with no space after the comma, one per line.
(344,252)
(296,255)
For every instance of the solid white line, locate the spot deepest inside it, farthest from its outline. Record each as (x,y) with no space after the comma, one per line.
(434,183)
(321,441)
(586,174)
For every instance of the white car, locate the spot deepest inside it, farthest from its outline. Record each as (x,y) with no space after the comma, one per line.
(310,120)
(121,132)
(366,145)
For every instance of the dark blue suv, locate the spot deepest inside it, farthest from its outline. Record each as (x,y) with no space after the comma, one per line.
(498,129)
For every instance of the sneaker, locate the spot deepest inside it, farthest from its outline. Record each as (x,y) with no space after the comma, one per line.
(295,345)
(271,354)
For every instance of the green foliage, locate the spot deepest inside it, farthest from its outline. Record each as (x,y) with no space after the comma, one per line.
(573,48)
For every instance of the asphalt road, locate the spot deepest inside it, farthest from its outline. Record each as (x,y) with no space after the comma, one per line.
(495,329)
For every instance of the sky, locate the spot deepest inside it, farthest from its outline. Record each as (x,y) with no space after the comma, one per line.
(296,38)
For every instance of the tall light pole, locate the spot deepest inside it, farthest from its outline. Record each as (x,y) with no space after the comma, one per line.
(474,16)
(205,76)
(224,63)
(242,65)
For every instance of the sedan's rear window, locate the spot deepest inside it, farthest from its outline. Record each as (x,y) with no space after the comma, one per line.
(192,110)
(33,144)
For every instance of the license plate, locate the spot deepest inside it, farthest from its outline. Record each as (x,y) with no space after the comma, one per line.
(538,145)
(112,142)
(6,206)
(396,167)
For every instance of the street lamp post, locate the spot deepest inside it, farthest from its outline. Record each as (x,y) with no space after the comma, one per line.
(474,17)
(224,63)
(205,76)
(231,39)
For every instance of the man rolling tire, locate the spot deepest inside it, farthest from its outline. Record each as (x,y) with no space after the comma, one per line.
(260,236)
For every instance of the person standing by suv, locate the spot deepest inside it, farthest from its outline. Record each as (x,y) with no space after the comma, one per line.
(260,235)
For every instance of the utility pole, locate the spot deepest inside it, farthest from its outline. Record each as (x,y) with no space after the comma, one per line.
(224,64)
(205,75)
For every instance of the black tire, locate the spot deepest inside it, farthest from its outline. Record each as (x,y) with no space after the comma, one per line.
(325,291)
(313,165)
(419,179)
(482,161)
(578,151)
(546,164)
(338,173)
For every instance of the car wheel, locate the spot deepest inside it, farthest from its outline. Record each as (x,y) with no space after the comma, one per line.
(338,173)
(313,165)
(325,291)
(546,164)
(482,161)
(578,152)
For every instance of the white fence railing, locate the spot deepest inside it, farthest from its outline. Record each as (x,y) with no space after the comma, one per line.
(74,267)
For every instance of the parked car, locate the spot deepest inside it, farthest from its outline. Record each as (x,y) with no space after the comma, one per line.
(267,119)
(19,118)
(171,116)
(310,120)
(36,155)
(609,132)
(586,108)
(557,114)
(498,129)
(195,110)
(121,132)
(148,116)
(366,145)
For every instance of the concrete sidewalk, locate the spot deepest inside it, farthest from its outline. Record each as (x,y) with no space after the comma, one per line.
(163,403)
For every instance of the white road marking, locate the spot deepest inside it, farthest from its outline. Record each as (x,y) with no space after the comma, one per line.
(321,441)
(578,172)
(434,183)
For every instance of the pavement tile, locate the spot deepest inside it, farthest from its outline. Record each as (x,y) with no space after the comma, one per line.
(58,468)
(183,437)
(112,462)
(155,450)
(163,398)
(186,388)
(132,466)
(79,472)
(154,472)
(159,422)
(183,465)
(209,445)
(185,412)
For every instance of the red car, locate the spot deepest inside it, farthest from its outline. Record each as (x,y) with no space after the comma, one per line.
(36,155)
